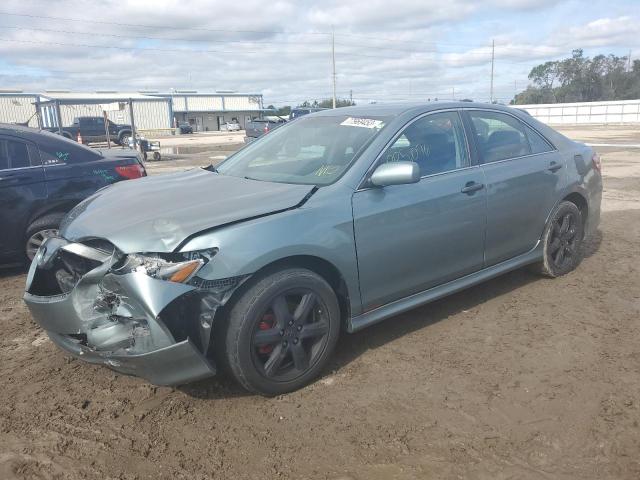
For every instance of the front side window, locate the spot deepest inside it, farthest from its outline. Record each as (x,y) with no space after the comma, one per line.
(311,150)
(435,142)
(499,136)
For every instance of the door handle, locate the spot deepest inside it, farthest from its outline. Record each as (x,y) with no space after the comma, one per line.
(554,167)
(472,187)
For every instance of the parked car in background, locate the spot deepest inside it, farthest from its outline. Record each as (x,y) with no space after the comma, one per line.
(333,222)
(259,126)
(232,126)
(185,128)
(300,111)
(92,129)
(42,177)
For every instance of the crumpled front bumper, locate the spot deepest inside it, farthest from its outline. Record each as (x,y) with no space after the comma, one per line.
(117,320)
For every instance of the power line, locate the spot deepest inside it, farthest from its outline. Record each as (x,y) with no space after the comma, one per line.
(168,27)
(185,50)
(255,42)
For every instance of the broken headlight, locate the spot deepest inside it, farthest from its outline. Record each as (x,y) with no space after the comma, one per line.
(178,268)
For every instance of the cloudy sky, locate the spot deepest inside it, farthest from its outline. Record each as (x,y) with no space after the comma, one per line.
(385,49)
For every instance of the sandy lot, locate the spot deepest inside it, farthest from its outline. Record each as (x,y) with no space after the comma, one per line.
(521,377)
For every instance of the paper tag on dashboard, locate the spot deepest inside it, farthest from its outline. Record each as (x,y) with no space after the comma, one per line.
(363,122)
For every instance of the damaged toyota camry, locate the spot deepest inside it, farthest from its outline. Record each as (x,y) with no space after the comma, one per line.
(331,223)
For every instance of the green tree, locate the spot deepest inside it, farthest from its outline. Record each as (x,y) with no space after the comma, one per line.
(581,79)
(326,103)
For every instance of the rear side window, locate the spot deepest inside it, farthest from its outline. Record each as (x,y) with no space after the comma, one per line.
(537,141)
(13,154)
(499,136)
(64,152)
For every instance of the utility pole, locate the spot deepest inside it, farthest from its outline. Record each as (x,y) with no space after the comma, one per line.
(351,96)
(453,93)
(333,63)
(493,58)
(629,62)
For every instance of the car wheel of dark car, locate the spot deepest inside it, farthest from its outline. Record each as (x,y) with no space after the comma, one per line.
(562,241)
(39,230)
(282,331)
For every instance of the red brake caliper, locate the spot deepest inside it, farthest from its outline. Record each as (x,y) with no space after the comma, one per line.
(268,321)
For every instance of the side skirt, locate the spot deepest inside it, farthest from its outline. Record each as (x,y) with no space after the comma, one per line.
(417,299)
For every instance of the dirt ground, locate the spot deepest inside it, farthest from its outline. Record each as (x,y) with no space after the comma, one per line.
(521,377)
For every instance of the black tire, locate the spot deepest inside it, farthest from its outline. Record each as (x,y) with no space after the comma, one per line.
(123,139)
(271,348)
(40,229)
(562,241)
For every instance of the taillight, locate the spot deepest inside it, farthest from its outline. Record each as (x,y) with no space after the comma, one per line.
(131,171)
(597,163)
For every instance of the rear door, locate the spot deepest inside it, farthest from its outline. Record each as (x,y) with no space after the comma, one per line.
(524,176)
(22,191)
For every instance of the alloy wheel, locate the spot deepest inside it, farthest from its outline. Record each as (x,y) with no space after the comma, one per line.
(35,240)
(290,336)
(563,245)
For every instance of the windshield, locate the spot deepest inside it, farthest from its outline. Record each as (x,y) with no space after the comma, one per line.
(312,150)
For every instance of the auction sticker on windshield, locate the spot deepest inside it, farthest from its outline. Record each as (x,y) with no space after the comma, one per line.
(363,122)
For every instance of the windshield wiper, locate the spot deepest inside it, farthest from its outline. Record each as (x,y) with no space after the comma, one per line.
(212,169)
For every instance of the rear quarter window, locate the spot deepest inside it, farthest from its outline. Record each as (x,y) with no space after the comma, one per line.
(538,143)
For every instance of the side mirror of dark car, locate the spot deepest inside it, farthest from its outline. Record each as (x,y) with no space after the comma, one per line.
(395,173)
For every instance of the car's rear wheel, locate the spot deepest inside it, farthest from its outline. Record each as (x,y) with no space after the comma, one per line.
(562,241)
(39,231)
(282,331)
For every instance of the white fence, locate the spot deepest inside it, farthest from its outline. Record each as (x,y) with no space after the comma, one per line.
(621,111)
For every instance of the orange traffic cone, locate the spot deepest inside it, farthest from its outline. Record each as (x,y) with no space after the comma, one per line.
(79,137)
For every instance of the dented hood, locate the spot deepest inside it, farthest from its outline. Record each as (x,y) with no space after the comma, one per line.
(156,214)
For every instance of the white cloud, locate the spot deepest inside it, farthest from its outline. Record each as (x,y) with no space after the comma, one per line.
(385,50)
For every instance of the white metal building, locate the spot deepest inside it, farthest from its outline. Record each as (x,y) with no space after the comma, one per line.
(210,111)
(617,111)
(18,107)
(151,110)
(150,113)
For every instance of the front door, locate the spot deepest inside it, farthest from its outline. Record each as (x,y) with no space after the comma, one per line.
(410,238)
(524,176)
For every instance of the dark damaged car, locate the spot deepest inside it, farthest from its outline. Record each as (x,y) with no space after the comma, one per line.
(333,222)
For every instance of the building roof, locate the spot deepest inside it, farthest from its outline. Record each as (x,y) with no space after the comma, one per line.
(96,96)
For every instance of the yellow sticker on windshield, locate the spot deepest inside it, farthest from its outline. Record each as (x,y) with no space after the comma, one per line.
(363,122)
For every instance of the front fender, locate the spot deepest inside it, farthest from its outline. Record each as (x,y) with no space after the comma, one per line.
(323,230)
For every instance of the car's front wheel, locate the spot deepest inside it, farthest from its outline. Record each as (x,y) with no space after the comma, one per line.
(562,241)
(282,331)
(39,231)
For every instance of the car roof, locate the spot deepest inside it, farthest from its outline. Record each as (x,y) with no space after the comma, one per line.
(396,109)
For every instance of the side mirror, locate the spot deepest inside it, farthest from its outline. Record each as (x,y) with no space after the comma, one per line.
(395,173)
